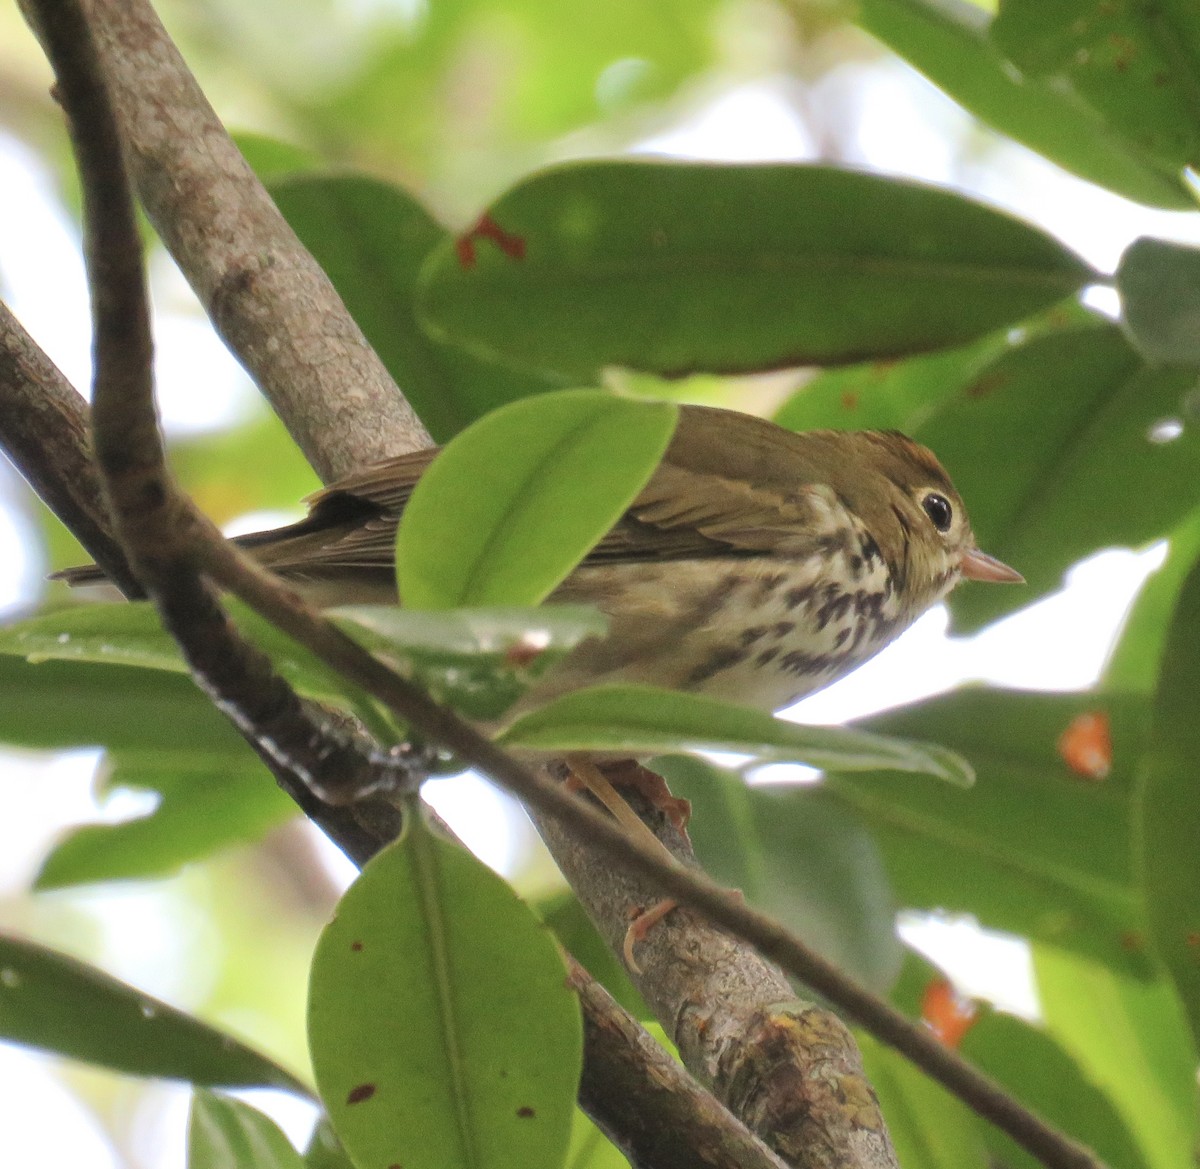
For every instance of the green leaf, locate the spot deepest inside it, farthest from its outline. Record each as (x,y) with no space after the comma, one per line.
(371,238)
(1033,848)
(930,1129)
(948,41)
(1135,65)
(674,268)
(480,661)
(801,855)
(227,1134)
(1135,661)
(1130,1038)
(1159,283)
(207,804)
(70,704)
(441,1028)
(324,1150)
(645,719)
(1170,824)
(56,1003)
(532,487)
(1035,1068)
(129,634)
(1055,449)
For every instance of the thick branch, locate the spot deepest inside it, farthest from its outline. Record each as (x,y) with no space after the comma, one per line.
(44,430)
(267,297)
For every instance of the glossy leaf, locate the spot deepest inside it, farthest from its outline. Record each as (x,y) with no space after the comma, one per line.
(206,804)
(645,719)
(1159,283)
(1050,445)
(226,1134)
(1134,65)
(1171,810)
(478,660)
(949,41)
(129,634)
(441,1028)
(56,1003)
(674,268)
(800,854)
(532,487)
(1032,849)
(1130,1038)
(371,238)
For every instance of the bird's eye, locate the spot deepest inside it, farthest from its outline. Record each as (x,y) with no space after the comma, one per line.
(937,508)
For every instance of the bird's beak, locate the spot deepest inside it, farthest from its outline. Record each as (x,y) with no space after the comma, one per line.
(978,565)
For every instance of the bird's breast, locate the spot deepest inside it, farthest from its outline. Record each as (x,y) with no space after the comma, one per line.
(758,631)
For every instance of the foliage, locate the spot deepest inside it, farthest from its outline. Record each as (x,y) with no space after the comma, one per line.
(1067,432)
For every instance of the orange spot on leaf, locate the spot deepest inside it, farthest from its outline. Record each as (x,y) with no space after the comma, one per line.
(947,1013)
(359,1093)
(849,400)
(1086,745)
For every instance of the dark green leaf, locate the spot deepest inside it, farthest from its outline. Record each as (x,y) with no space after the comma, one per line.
(679,267)
(948,41)
(1171,809)
(50,1001)
(441,1028)
(1130,1038)
(227,1134)
(1135,65)
(532,487)
(371,238)
(1033,848)
(1056,449)
(645,719)
(800,854)
(207,804)
(478,660)
(1159,283)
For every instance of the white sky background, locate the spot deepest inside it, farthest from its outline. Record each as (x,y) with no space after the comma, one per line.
(902,128)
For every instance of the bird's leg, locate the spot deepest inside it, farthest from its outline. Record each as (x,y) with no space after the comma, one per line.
(591,777)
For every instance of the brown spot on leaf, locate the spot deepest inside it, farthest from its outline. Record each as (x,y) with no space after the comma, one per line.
(359,1093)
(511,244)
(525,1112)
(947,1013)
(1086,745)
(986,384)
(850,400)
(356,946)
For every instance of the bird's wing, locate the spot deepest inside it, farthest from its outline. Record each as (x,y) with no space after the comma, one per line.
(686,514)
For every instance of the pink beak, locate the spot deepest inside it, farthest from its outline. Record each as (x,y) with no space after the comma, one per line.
(978,565)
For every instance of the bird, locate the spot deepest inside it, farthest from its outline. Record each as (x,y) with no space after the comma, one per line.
(756,566)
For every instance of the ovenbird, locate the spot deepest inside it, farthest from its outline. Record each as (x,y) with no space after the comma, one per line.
(756,566)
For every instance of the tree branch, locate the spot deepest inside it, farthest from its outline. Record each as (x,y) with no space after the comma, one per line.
(267,297)
(45,433)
